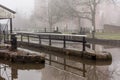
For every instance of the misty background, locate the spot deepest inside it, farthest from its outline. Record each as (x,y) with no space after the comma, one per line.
(66,15)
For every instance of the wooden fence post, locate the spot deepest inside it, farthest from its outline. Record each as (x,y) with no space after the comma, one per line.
(21,38)
(28,39)
(64,42)
(84,41)
(50,40)
(39,39)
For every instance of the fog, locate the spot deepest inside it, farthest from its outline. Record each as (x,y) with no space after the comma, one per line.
(22,7)
(67,15)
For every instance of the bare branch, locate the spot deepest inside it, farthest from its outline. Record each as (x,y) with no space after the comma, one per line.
(86,18)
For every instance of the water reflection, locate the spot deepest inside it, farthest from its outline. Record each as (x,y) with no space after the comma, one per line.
(58,67)
(9,71)
(66,64)
(81,67)
(110,72)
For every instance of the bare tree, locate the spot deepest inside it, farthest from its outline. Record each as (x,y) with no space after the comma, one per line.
(87,10)
(54,14)
(58,10)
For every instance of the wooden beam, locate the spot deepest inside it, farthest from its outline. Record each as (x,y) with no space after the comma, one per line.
(10,25)
(7,9)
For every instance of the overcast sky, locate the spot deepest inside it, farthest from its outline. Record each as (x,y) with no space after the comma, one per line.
(22,6)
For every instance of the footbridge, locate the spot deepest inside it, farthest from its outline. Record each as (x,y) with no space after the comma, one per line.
(52,38)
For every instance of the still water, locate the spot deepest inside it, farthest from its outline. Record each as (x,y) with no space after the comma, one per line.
(61,67)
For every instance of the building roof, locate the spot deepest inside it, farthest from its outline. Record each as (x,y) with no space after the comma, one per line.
(5,12)
(7,9)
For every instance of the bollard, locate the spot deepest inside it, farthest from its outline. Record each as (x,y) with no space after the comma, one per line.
(13,42)
(84,41)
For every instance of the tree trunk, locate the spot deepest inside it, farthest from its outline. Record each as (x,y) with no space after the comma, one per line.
(50,23)
(79,25)
(94,21)
(50,27)
(94,26)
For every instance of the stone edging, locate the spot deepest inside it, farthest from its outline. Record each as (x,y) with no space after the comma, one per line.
(21,58)
(86,55)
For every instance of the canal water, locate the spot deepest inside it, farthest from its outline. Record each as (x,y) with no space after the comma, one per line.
(61,67)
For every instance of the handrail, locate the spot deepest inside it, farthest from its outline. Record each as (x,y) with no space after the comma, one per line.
(54,36)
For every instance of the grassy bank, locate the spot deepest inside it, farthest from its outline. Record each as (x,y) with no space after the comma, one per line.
(110,36)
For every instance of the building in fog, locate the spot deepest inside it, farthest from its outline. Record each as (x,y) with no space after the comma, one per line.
(40,11)
(40,18)
(111,28)
(69,25)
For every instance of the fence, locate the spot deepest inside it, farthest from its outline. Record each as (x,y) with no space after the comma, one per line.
(53,36)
